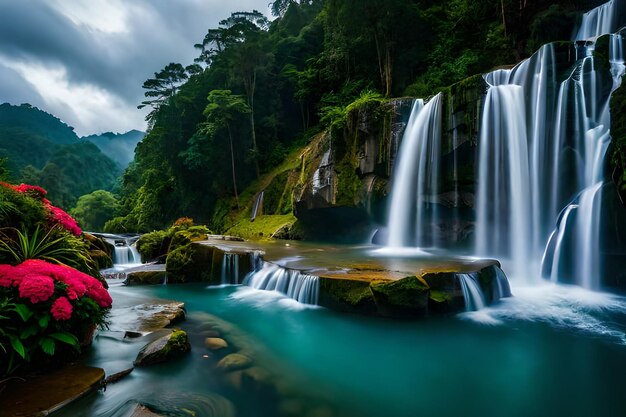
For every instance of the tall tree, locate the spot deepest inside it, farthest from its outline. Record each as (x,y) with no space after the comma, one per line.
(223,108)
(163,87)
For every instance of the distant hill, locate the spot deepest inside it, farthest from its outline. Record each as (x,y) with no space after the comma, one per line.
(38,122)
(43,150)
(120,147)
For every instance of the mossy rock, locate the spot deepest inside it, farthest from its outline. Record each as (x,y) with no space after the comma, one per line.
(407,297)
(347,295)
(102,259)
(488,280)
(165,348)
(145,278)
(190,263)
(234,362)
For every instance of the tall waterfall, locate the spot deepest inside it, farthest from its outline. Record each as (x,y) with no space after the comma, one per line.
(301,287)
(542,145)
(415,178)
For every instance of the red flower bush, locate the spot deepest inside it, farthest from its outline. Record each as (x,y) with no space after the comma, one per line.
(34,191)
(10,276)
(78,283)
(61,309)
(59,216)
(36,288)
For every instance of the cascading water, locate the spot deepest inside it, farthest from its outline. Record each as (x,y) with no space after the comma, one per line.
(301,287)
(413,205)
(126,254)
(230,269)
(542,147)
(597,22)
(472,293)
(504,209)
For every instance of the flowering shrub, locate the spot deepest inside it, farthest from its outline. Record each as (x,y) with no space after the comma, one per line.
(42,304)
(56,214)
(59,216)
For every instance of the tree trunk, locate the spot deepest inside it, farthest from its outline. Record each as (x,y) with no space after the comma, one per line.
(232,161)
(250,92)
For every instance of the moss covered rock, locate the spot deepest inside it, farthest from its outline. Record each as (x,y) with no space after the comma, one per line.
(347,295)
(407,297)
(190,263)
(167,347)
(145,277)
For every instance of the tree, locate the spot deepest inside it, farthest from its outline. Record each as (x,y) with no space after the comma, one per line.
(163,87)
(221,111)
(93,210)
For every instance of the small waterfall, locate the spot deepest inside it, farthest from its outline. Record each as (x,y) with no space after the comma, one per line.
(230,269)
(126,254)
(415,187)
(472,293)
(258,204)
(598,21)
(301,287)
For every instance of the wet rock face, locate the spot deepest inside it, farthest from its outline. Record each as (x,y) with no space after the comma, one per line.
(163,349)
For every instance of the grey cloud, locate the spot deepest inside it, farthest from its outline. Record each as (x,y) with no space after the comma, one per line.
(165,31)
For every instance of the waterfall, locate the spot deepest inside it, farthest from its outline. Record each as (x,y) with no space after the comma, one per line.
(472,293)
(598,21)
(504,222)
(258,204)
(230,269)
(126,254)
(542,146)
(301,287)
(415,185)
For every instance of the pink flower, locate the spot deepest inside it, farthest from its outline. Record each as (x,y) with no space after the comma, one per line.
(78,283)
(36,288)
(61,309)
(10,276)
(61,217)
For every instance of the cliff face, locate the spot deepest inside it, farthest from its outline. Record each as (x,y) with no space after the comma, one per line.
(345,172)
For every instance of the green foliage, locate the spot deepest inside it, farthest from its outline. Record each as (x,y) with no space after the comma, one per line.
(312,67)
(54,245)
(154,245)
(93,210)
(39,150)
(37,122)
(19,210)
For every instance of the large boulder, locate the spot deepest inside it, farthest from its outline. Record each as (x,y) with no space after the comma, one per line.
(164,348)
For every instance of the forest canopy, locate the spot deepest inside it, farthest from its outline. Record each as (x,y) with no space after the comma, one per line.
(312,60)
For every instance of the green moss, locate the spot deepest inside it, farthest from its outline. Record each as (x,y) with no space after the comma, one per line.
(405,297)
(263,227)
(186,236)
(347,295)
(190,263)
(439,296)
(177,343)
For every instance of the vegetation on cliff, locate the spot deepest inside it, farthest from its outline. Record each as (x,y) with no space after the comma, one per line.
(299,74)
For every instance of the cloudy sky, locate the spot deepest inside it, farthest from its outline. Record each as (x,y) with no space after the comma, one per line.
(85,60)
